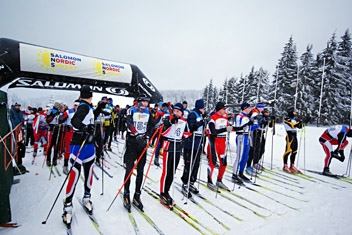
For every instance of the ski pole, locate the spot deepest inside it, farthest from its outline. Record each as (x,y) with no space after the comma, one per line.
(159,130)
(130,173)
(272,145)
(239,142)
(300,143)
(262,155)
(257,153)
(174,169)
(190,169)
(78,153)
(56,143)
(102,136)
(48,146)
(201,146)
(348,169)
(304,148)
(198,156)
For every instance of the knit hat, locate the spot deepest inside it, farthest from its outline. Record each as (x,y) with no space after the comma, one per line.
(184,102)
(86,92)
(260,106)
(245,105)
(143,98)
(178,106)
(219,105)
(199,104)
(17,104)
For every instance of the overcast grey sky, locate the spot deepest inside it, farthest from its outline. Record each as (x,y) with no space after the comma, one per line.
(179,44)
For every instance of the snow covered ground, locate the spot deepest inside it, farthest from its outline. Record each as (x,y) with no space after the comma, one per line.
(293,205)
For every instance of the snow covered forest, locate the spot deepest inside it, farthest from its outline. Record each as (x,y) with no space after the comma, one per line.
(309,83)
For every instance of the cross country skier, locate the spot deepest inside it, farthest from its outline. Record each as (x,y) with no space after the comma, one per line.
(242,125)
(193,148)
(291,125)
(261,116)
(173,132)
(162,115)
(218,127)
(40,130)
(139,122)
(256,135)
(68,132)
(335,135)
(55,117)
(185,109)
(82,152)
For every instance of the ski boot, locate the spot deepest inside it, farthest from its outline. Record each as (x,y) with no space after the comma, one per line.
(137,201)
(294,169)
(65,170)
(212,186)
(236,179)
(342,156)
(166,200)
(185,191)
(251,171)
(258,167)
(327,172)
(127,202)
(48,162)
(244,178)
(67,215)
(287,169)
(87,204)
(220,184)
(193,189)
(34,155)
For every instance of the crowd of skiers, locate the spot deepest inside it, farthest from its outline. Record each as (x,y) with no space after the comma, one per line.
(82,133)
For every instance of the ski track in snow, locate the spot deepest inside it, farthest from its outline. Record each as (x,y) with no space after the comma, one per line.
(323,208)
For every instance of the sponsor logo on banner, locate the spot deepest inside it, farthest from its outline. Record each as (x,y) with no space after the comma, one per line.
(50,61)
(102,68)
(41,84)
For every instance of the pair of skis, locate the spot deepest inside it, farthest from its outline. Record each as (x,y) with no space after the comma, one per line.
(91,217)
(145,216)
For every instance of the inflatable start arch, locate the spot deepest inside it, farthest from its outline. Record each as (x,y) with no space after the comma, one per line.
(24,65)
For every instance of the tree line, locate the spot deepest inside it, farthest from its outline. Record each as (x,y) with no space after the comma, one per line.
(319,87)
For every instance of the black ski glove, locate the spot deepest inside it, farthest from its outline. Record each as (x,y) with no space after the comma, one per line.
(88,129)
(174,120)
